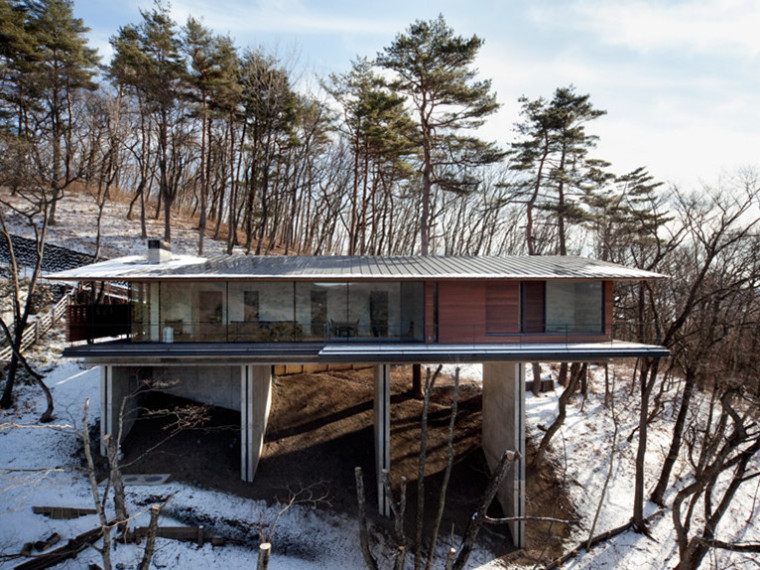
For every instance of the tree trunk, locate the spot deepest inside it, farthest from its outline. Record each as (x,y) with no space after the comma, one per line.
(473,526)
(675,444)
(554,428)
(363,532)
(420,520)
(447,472)
(536,367)
(150,544)
(265,548)
(648,376)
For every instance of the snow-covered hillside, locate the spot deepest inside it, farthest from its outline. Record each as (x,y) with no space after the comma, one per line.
(42,465)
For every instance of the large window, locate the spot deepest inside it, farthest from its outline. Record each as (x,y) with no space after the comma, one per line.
(564,307)
(367,310)
(574,307)
(240,311)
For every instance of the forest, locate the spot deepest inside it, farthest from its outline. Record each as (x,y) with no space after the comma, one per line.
(386,160)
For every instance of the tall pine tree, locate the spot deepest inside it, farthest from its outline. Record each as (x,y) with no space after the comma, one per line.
(553,152)
(433,68)
(148,59)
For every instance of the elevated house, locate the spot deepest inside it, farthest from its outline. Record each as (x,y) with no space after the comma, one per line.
(220,324)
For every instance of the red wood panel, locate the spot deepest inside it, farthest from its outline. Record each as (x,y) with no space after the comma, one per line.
(88,321)
(502,307)
(461,311)
(533,306)
(608,308)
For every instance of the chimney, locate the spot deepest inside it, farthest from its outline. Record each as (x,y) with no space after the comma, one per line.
(159,251)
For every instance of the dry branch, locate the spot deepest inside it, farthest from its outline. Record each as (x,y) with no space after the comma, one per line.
(480,515)
(363,532)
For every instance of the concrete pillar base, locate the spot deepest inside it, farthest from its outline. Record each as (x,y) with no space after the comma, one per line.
(504,429)
(118,402)
(382,409)
(255,404)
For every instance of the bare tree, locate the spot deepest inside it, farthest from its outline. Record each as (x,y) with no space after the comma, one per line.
(34,212)
(723,449)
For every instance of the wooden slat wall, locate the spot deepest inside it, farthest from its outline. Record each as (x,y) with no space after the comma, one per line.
(461,311)
(87,322)
(533,306)
(502,307)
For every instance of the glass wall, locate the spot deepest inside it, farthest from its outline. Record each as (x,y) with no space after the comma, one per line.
(575,306)
(140,298)
(276,311)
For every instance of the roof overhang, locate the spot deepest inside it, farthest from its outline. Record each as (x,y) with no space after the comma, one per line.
(353,268)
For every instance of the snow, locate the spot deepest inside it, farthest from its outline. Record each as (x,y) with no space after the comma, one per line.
(76,223)
(41,467)
(582,450)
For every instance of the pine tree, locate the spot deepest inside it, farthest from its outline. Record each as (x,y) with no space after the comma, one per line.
(210,74)
(379,131)
(64,66)
(432,67)
(270,111)
(18,54)
(553,150)
(45,66)
(148,59)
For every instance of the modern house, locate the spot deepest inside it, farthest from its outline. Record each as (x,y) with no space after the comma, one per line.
(220,324)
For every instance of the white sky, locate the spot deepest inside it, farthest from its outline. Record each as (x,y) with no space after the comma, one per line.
(680,80)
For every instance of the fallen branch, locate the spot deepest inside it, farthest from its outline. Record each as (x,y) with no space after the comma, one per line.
(599,538)
(63,512)
(733,547)
(69,550)
(505,520)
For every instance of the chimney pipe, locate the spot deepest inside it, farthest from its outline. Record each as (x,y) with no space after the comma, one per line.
(159,251)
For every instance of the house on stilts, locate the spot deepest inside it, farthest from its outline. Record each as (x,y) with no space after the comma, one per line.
(222,323)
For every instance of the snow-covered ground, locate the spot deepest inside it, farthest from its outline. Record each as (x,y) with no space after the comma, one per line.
(41,466)
(583,450)
(76,223)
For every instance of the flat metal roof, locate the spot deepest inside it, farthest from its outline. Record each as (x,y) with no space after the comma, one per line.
(285,353)
(351,268)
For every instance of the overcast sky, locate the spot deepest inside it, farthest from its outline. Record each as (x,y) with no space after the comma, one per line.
(680,80)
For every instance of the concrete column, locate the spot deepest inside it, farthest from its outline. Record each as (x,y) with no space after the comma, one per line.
(118,401)
(503,429)
(155,298)
(382,410)
(255,403)
(106,396)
